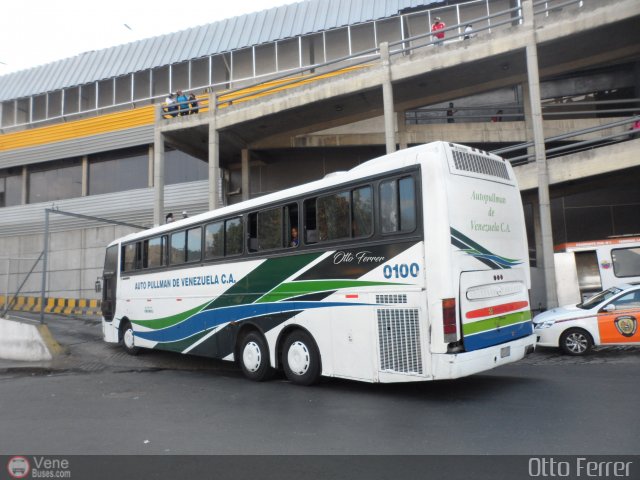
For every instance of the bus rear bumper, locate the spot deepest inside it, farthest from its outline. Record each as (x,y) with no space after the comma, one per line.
(456,365)
(110,331)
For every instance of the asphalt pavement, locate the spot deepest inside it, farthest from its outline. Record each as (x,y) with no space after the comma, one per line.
(96,399)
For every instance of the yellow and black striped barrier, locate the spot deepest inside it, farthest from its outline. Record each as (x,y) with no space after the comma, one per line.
(62,306)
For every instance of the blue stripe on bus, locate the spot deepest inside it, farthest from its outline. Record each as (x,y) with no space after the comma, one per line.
(495,337)
(208,319)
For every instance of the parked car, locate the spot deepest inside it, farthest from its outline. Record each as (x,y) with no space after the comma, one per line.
(608,318)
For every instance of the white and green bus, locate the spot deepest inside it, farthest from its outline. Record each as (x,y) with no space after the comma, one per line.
(409,267)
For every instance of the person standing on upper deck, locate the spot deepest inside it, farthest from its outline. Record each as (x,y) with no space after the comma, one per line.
(436,28)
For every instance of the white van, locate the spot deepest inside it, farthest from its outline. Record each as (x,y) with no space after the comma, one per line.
(585,268)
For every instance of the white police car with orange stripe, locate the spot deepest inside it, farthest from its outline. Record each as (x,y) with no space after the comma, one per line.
(608,318)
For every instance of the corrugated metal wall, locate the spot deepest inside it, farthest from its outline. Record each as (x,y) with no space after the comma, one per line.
(78,147)
(234,33)
(132,206)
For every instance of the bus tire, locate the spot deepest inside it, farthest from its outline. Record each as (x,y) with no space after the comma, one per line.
(301,358)
(575,341)
(127,339)
(253,356)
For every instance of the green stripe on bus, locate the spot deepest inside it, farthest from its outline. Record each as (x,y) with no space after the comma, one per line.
(164,322)
(295,289)
(181,345)
(263,278)
(495,322)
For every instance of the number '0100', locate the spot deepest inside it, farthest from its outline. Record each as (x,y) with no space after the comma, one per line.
(401,270)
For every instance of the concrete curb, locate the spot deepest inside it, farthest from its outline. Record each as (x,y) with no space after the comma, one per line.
(27,342)
(55,349)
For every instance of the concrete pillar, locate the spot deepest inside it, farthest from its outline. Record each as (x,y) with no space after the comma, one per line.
(533,77)
(215,190)
(402,130)
(158,177)
(387,99)
(150,167)
(636,83)
(528,120)
(85,176)
(25,185)
(245,174)
(537,232)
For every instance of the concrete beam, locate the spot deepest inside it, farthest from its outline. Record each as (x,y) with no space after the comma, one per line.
(371,132)
(589,163)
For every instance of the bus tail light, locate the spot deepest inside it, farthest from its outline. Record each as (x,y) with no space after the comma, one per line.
(449,324)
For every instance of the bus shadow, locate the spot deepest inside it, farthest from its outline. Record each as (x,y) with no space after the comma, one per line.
(475,387)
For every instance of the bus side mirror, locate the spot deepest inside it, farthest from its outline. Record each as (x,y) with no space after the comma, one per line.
(609,308)
(98,285)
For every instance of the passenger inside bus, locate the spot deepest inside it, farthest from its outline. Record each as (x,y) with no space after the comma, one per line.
(294,237)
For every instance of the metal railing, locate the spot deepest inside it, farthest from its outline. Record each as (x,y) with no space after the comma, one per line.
(576,146)
(511,112)
(369,56)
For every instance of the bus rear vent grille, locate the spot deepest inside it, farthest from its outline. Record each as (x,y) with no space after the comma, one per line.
(392,298)
(471,162)
(399,336)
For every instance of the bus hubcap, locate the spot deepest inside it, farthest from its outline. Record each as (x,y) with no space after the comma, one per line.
(298,358)
(128,338)
(252,356)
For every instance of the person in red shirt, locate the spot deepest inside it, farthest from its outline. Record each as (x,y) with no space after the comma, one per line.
(635,129)
(436,27)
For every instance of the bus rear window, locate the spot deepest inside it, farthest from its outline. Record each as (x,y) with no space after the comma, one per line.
(626,262)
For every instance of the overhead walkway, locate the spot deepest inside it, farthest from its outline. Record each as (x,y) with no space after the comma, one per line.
(428,75)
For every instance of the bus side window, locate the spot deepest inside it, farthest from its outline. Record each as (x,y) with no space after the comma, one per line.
(233,236)
(130,253)
(178,241)
(362,210)
(291,225)
(398,205)
(194,244)
(310,221)
(388,206)
(214,240)
(333,212)
(252,232)
(407,191)
(186,246)
(270,229)
(154,252)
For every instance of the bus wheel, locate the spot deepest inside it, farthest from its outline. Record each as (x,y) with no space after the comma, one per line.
(254,357)
(301,358)
(127,339)
(575,341)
